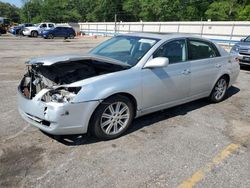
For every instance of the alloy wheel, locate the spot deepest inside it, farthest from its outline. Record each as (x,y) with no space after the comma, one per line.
(115,118)
(220,89)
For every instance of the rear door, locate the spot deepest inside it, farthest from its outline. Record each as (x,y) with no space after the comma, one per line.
(163,87)
(56,32)
(205,64)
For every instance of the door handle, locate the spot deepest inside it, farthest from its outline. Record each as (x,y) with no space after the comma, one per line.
(186,72)
(218,65)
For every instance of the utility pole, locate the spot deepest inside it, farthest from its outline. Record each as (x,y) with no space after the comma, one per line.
(115,22)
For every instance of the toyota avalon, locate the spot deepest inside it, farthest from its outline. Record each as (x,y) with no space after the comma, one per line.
(121,79)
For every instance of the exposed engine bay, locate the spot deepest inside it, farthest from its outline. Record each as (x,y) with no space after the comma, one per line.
(53,76)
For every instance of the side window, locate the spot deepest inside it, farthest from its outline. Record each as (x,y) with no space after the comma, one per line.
(201,50)
(175,51)
(51,25)
(43,26)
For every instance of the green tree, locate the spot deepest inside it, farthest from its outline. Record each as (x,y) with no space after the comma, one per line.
(10,11)
(134,10)
(131,9)
(223,10)
(31,11)
(59,11)
(244,13)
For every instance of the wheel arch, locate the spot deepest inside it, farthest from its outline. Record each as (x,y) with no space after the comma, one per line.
(125,94)
(226,75)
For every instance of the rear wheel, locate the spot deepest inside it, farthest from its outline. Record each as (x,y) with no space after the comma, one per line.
(219,90)
(71,36)
(34,34)
(112,118)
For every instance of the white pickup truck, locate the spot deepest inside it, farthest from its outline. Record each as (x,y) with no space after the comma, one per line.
(35,30)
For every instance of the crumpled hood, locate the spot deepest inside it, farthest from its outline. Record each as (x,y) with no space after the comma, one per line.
(50,60)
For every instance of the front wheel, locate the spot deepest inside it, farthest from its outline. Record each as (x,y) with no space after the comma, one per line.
(112,118)
(219,90)
(50,36)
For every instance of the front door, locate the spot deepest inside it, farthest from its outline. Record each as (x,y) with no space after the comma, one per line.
(163,87)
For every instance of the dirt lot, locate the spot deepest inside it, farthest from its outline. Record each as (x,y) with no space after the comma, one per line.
(196,144)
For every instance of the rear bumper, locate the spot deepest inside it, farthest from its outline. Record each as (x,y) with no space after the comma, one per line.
(56,118)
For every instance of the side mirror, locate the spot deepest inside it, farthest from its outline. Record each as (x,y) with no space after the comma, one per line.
(242,40)
(157,62)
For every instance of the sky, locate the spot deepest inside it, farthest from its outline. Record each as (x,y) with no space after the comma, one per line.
(18,3)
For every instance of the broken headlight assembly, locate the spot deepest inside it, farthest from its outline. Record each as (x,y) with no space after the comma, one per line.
(61,95)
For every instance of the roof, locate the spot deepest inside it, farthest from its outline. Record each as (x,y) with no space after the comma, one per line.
(162,35)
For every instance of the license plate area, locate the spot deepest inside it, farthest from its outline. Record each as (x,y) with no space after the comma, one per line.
(246,58)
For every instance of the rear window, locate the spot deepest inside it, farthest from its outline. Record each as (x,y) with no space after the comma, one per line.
(201,50)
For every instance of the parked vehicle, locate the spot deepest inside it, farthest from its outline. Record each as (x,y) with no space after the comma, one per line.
(18,30)
(123,78)
(66,32)
(35,30)
(242,50)
(4,25)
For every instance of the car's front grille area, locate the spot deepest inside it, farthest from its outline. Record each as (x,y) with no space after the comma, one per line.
(38,120)
(244,53)
(244,61)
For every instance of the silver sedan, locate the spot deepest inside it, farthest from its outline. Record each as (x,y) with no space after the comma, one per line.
(123,78)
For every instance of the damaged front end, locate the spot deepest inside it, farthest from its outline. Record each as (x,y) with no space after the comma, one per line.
(34,81)
(46,93)
(56,74)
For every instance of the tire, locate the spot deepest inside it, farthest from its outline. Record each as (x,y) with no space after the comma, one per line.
(34,34)
(219,91)
(50,36)
(71,36)
(18,32)
(112,118)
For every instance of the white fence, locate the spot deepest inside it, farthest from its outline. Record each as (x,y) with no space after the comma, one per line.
(222,32)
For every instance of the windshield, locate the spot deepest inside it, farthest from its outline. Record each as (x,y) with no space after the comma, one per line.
(247,39)
(127,49)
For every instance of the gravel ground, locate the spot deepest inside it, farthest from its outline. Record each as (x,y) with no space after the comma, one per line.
(163,149)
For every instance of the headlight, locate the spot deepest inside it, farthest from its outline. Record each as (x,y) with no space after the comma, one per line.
(235,49)
(62,95)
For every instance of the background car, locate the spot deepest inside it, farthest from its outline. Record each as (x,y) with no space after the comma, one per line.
(18,30)
(66,32)
(242,50)
(4,25)
(35,30)
(125,77)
